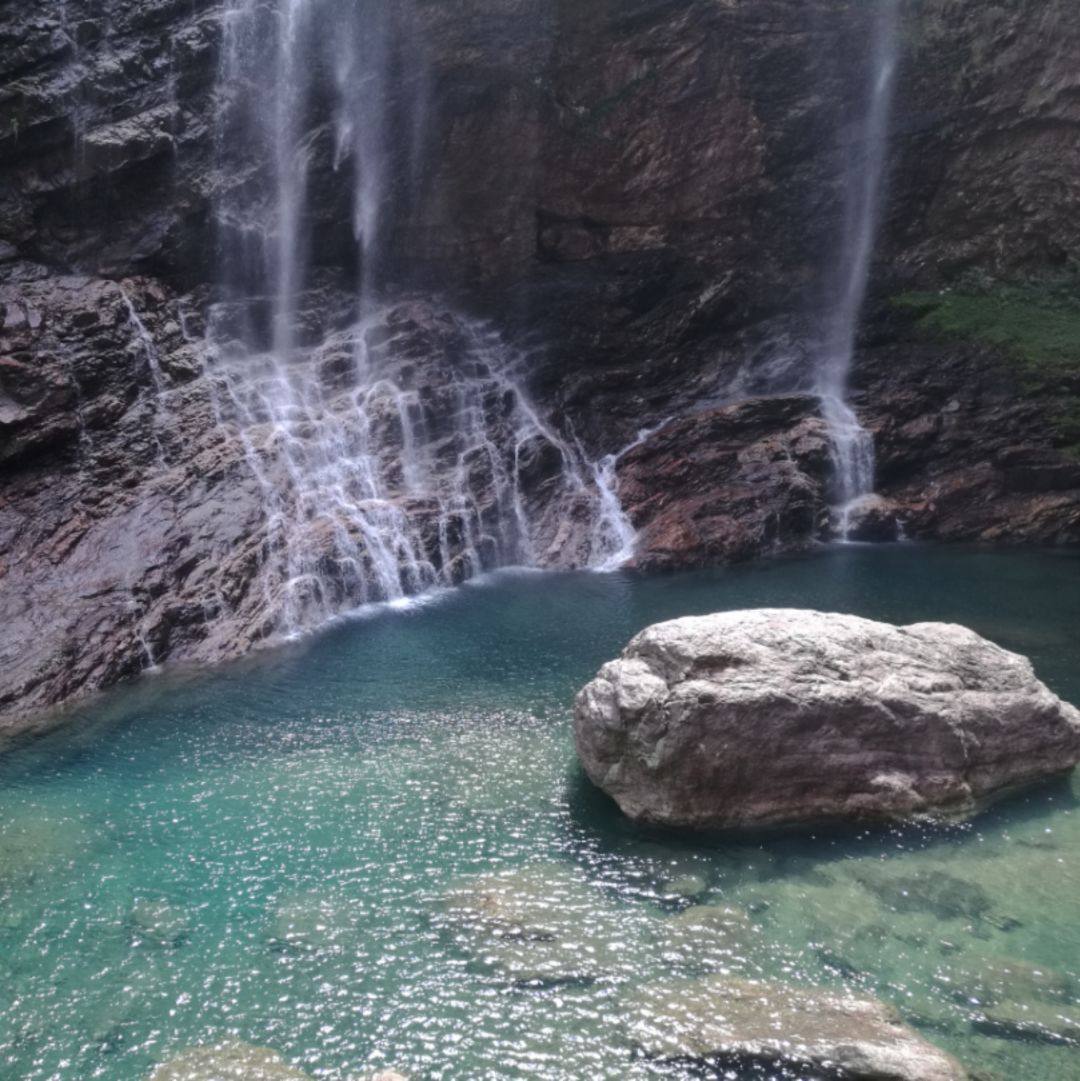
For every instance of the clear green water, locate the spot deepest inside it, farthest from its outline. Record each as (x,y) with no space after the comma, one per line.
(305,814)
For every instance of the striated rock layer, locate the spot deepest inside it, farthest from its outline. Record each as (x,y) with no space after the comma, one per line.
(775,717)
(166,501)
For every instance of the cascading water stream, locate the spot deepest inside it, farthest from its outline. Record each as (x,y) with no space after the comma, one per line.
(401,453)
(852,445)
(614,518)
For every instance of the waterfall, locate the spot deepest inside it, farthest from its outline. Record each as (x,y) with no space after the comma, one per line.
(613,522)
(852,445)
(393,444)
(388,468)
(145,341)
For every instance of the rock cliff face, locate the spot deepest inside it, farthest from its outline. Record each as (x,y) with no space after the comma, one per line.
(644,196)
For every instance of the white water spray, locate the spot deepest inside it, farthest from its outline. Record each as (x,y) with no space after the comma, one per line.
(147,345)
(614,518)
(149,350)
(402,453)
(852,445)
(384,475)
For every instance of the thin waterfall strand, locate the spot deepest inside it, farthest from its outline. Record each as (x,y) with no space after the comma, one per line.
(852,445)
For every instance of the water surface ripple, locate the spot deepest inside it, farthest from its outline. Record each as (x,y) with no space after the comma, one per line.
(288,851)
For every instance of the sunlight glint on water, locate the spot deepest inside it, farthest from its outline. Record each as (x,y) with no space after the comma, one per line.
(266,853)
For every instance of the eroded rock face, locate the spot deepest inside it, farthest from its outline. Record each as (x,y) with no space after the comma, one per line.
(730,1022)
(164,499)
(777,716)
(963,449)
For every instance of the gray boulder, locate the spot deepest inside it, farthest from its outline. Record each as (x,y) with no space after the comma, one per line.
(779,716)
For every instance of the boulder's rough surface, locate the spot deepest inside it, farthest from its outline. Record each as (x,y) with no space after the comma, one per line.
(725,1021)
(777,716)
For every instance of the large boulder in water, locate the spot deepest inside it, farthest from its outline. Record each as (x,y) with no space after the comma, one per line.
(778,716)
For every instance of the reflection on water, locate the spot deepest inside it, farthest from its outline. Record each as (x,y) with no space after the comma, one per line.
(375,849)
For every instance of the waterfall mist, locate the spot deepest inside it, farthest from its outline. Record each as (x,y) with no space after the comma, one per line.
(864,176)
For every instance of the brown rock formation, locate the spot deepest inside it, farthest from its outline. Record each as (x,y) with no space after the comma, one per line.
(646,194)
(728,483)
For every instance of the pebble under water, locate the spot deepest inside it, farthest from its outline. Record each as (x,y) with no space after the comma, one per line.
(272,852)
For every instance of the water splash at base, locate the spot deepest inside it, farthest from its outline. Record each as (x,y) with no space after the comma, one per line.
(403,455)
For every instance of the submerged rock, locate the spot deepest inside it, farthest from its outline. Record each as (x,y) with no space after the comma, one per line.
(993,980)
(34,844)
(228,1062)
(309,923)
(1033,1021)
(707,937)
(725,1021)
(689,887)
(779,716)
(536,925)
(160,923)
(943,895)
